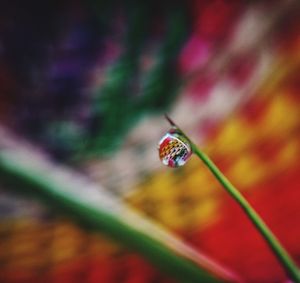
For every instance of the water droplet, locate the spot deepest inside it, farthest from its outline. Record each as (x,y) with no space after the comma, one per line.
(174,149)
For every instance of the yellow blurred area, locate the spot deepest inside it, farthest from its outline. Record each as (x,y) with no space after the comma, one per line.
(67,242)
(162,187)
(281,117)
(234,137)
(289,153)
(22,249)
(246,171)
(179,205)
(199,185)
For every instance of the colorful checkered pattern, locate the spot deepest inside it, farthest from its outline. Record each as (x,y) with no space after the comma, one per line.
(174,149)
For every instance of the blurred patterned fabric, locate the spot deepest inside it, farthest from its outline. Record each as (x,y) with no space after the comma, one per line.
(87,82)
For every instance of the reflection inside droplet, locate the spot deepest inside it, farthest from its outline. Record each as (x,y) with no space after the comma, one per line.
(174,149)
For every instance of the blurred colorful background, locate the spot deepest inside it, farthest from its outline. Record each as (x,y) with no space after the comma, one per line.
(84,86)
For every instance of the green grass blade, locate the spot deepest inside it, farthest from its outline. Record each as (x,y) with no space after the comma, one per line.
(75,196)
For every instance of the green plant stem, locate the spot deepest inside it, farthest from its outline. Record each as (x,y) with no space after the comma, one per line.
(35,180)
(279,251)
(282,255)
